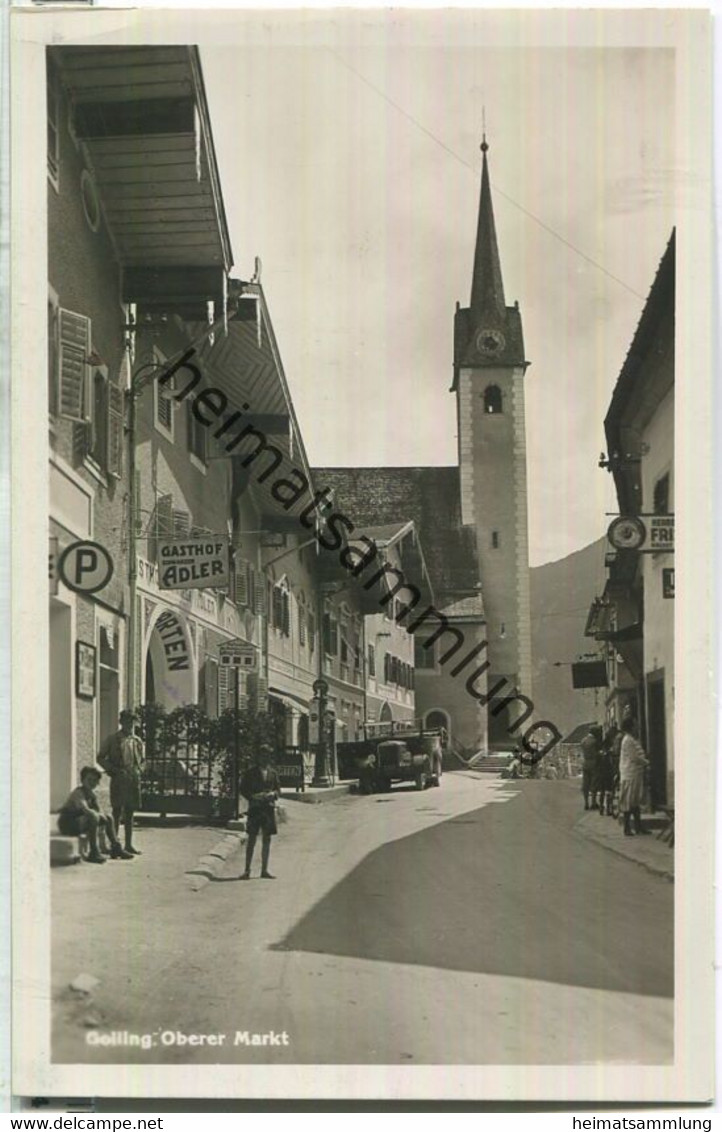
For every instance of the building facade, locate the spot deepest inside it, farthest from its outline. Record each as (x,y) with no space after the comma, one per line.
(635,614)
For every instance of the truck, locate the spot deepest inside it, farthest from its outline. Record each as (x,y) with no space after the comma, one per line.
(394,752)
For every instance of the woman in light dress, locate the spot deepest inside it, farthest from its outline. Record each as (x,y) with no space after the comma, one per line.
(632,765)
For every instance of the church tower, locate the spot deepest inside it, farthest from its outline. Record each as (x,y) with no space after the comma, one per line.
(489,368)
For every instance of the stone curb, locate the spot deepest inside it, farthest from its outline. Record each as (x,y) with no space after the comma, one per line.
(322,794)
(622,851)
(211,864)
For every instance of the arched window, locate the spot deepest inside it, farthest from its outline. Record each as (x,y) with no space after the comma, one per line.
(492,399)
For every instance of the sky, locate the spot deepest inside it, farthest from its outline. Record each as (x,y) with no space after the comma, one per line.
(352,168)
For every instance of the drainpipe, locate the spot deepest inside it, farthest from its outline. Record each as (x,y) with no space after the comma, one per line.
(133,558)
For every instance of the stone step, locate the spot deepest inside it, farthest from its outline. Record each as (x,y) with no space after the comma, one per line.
(64,850)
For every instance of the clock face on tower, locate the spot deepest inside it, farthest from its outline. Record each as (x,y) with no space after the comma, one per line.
(490,342)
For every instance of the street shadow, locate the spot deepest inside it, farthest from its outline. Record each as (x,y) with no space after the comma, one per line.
(500,890)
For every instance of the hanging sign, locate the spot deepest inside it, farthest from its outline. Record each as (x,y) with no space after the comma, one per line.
(193,564)
(650,534)
(668,582)
(239,654)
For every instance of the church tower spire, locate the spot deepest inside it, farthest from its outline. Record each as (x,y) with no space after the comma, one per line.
(487,287)
(489,369)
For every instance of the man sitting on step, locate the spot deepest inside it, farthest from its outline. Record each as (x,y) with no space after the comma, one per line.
(81,814)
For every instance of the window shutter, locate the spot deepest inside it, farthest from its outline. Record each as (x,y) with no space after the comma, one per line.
(164,516)
(115,430)
(386,668)
(261,693)
(210,672)
(226,696)
(286,613)
(311,632)
(225,687)
(277,608)
(260,595)
(251,575)
(181,524)
(243,697)
(74,349)
(242,571)
(301,625)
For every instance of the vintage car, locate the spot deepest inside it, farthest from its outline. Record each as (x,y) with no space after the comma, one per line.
(396,762)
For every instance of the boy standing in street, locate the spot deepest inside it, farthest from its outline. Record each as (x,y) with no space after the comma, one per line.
(122,758)
(260,787)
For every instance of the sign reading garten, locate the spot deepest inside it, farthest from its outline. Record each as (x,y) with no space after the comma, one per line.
(193,564)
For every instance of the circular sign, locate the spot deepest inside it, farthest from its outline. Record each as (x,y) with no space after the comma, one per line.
(627,532)
(320,687)
(85,567)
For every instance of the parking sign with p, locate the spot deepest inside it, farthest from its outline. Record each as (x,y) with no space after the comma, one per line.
(85,567)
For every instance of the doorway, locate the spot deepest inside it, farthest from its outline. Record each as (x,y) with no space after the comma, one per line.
(657,738)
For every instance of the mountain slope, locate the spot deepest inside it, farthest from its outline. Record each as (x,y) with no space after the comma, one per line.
(561,593)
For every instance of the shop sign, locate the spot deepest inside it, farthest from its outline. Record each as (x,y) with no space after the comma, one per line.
(589,674)
(193,564)
(668,582)
(660,533)
(239,654)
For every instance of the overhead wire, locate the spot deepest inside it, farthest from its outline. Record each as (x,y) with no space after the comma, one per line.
(500,192)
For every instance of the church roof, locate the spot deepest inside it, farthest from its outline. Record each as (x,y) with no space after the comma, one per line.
(431,498)
(487,333)
(487,287)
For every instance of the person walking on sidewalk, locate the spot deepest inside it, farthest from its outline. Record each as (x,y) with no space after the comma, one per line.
(81,814)
(606,772)
(591,747)
(632,765)
(121,756)
(260,787)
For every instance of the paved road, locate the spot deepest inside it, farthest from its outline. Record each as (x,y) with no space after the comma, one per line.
(464,925)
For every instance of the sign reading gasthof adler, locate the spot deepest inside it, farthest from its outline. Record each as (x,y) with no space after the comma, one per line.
(193,564)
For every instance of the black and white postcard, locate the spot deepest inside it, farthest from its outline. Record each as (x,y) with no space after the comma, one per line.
(362,403)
